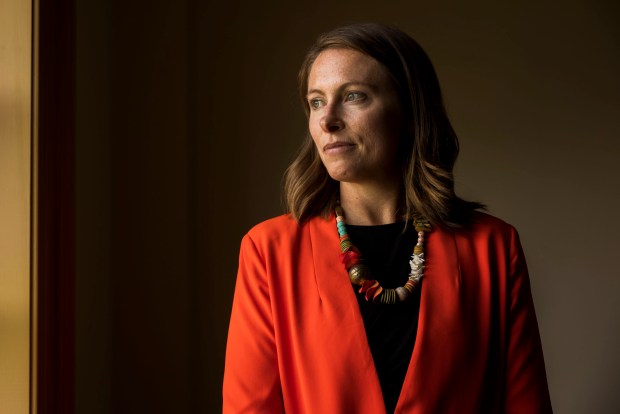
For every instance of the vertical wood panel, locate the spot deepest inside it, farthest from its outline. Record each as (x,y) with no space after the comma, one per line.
(55,209)
(15,133)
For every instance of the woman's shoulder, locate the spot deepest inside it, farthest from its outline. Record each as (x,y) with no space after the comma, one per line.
(277,229)
(281,234)
(486,232)
(484,224)
(279,224)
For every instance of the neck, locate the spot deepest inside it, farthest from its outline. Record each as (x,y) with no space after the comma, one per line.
(367,205)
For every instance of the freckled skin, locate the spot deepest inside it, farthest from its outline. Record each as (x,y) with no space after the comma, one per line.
(353,101)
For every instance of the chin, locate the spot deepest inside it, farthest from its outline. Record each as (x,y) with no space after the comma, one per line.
(341,172)
(335,173)
(341,176)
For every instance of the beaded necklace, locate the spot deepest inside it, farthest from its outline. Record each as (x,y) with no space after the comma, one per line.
(359,272)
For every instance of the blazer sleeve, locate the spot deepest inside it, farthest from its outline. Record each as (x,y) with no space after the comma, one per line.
(251,375)
(526,380)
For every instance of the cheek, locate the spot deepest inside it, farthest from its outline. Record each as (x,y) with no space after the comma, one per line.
(386,129)
(386,126)
(314,129)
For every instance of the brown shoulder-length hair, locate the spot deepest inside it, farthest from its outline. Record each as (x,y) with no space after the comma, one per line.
(430,145)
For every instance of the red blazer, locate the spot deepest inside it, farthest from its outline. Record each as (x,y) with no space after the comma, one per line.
(297,343)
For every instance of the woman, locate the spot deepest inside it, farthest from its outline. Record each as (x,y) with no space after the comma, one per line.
(381,290)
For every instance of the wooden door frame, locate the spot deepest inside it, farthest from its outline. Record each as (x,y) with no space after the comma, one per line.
(53,191)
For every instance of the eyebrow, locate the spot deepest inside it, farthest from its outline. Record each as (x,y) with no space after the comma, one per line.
(343,86)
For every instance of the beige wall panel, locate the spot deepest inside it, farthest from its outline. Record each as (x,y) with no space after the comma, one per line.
(15,87)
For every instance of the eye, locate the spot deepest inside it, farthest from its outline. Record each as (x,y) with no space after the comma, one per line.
(315,103)
(355,96)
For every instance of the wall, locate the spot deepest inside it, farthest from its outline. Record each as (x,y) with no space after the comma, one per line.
(133,309)
(15,153)
(189,116)
(93,245)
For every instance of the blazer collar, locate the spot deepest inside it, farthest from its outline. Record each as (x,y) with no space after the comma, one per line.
(439,303)
(439,298)
(342,315)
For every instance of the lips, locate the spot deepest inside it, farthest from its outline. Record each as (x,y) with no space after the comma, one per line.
(337,146)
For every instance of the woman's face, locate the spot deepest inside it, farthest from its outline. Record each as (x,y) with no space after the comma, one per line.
(355,117)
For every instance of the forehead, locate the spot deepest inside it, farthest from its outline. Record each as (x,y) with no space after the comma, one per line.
(336,66)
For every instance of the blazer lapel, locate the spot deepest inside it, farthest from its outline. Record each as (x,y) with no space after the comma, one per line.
(439,303)
(342,317)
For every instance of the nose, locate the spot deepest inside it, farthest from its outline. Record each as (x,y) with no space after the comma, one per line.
(331,120)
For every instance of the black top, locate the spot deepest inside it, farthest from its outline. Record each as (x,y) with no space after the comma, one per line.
(390,329)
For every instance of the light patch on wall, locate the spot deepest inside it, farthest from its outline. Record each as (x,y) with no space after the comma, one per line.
(15,98)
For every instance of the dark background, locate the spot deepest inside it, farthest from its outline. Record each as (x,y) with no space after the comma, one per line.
(187,115)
